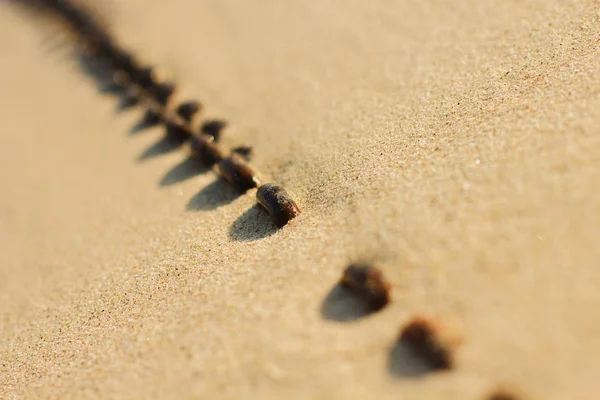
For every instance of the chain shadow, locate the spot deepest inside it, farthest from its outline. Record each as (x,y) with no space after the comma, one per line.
(127,101)
(254,224)
(98,73)
(342,305)
(187,169)
(216,194)
(403,362)
(163,146)
(143,124)
(105,84)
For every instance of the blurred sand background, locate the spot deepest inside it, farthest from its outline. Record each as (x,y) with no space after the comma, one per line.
(454,143)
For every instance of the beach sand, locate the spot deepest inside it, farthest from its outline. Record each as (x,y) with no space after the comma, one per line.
(454,144)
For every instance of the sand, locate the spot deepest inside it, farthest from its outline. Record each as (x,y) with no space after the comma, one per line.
(452,143)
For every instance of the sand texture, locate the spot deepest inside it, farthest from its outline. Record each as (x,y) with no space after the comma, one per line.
(453,143)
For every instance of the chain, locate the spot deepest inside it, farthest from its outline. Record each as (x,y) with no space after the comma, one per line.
(143,87)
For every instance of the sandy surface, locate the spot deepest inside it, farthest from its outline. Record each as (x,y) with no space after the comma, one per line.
(454,143)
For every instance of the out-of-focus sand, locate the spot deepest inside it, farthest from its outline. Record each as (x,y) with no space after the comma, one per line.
(455,143)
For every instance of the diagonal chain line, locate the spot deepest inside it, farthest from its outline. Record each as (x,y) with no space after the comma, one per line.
(141,86)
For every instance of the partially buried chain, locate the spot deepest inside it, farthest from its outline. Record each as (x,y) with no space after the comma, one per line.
(143,87)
